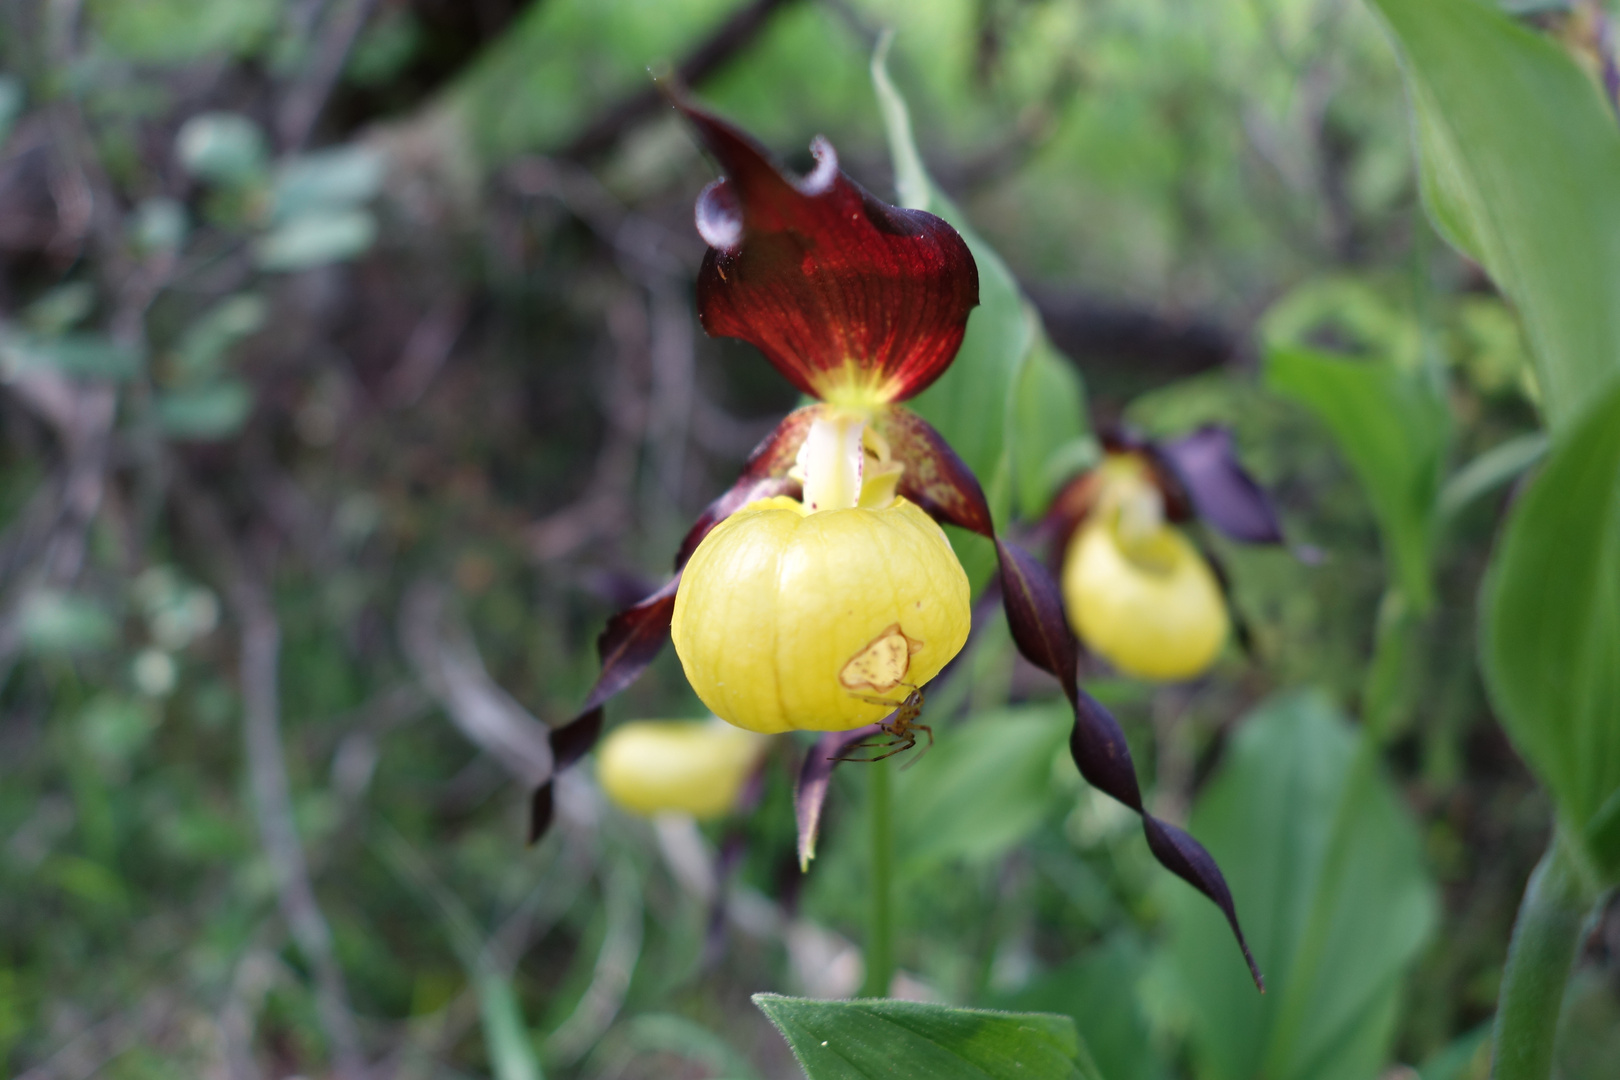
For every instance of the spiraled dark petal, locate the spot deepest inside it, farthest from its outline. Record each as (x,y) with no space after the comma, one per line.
(541,810)
(935,478)
(1035,615)
(635,636)
(631,642)
(574,739)
(838,289)
(1203,469)
(814,776)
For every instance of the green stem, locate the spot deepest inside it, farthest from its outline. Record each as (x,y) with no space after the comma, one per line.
(880,932)
(1545,937)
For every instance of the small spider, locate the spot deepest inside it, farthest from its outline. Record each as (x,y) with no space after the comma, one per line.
(900,728)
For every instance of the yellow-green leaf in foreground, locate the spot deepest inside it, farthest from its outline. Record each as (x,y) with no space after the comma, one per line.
(1521,170)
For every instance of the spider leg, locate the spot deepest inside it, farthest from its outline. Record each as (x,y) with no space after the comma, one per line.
(905,745)
(876,742)
(925,729)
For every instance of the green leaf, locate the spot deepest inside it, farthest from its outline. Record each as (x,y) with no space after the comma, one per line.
(1050,441)
(506,1035)
(54,622)
(222,148)
(204,344)
(85,356)
(1393,430)
(214,411)
(1098,989)
(982,789)
(906,1040)
(1266,817)
(178,31)
(317,238)
(983,400)
(1519,156)
(13,96)
(1499,465)
(1550,631)
(338,179)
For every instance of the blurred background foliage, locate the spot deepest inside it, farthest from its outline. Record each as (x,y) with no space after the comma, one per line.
(351,378)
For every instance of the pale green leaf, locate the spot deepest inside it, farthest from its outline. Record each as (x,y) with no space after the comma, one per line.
(1550,635)
(1520,158)
(1499,465)
(1393,430)
(318,238)
(214,411)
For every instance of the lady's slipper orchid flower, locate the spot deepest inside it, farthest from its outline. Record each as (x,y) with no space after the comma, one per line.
(1139,592)
(682,766)
(819,591)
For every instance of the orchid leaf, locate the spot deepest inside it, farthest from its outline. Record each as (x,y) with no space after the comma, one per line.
(1393,430)
(1009,405)
(1050,442)
(1100,990)
(1550,639)
(909,1040)
(981,791)
(1519,156)
(1497,466)
(1268,814)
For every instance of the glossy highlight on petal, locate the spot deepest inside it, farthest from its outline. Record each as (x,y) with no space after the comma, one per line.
(855,301)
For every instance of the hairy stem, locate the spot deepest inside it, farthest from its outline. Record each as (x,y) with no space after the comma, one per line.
(880,932)
(1545,937)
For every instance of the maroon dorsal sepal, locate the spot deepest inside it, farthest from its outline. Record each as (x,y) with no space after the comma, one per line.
(847,296)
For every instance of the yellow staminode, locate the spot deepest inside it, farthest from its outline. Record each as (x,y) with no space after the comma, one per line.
(1137,591)
(792,619)
(686,766)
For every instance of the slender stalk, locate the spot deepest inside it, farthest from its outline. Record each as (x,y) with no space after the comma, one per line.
(880,931)
(1545,937)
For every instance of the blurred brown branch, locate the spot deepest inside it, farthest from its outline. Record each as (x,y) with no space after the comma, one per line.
(447,662)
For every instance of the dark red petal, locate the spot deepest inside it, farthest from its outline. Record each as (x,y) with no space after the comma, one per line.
(814,776)
(1204,471)
(1035,615)
(836,287)
(635,636)
(935,478)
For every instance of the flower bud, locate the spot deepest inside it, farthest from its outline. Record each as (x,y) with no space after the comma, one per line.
(693,767)
(1138,592)
(790,619)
